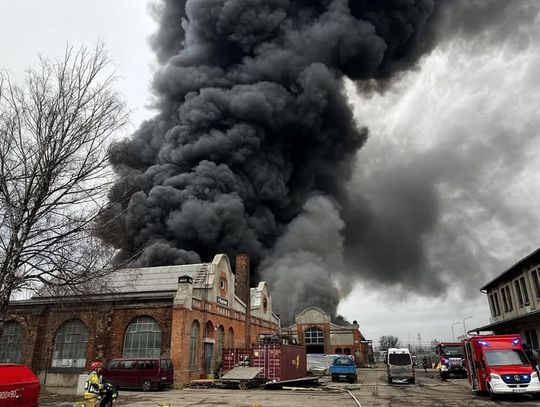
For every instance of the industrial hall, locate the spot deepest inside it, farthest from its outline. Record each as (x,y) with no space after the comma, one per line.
(186,312)
(314,329)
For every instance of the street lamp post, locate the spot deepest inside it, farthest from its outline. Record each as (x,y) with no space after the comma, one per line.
(452,328)
(465,329)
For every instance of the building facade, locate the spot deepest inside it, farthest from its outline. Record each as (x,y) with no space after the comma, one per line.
(187,312)
(314,329)
(514,300)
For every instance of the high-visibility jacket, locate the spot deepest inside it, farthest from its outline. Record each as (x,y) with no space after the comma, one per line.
(93,385)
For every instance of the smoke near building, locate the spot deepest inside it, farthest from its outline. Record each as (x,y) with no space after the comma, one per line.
(255,142)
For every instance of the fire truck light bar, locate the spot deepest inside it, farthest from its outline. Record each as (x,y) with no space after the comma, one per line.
(483,343)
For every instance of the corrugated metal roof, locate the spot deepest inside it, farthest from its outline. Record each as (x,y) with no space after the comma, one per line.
(158,278)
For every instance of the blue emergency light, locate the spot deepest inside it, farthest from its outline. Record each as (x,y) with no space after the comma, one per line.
(483,343)
(516,341)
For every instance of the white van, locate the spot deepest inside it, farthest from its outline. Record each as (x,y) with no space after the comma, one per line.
(399,365)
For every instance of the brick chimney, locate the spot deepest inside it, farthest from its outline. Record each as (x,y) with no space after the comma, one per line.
(242,290)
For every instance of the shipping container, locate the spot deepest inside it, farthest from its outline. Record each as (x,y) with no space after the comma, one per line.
(235,357)
(280,362)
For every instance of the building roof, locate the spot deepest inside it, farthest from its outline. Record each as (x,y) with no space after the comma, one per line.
(532,317)
(157,279)
(514,269)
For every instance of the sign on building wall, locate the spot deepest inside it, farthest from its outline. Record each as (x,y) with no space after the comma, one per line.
(222,301)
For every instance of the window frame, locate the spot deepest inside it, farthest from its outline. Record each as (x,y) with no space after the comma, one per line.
(194,342)
(518,291)
(70,346)
(311,339)
(142,331)
(509,297)
(11,342)
(536,282)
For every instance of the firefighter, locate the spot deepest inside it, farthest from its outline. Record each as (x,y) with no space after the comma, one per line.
(94,385)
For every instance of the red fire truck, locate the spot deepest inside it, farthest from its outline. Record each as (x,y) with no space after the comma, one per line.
(497,365)
(450,359)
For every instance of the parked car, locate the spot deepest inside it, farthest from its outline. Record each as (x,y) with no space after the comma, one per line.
(19,386)
(144,373)
(343,367)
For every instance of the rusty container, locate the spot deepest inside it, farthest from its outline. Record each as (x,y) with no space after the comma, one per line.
(280,362)
(236,357)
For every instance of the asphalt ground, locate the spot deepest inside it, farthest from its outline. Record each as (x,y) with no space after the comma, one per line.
(371,389)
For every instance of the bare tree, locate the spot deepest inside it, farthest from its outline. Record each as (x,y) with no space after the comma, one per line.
(388,341)
(54,136)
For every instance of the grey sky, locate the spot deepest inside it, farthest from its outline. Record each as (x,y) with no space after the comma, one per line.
(459,134)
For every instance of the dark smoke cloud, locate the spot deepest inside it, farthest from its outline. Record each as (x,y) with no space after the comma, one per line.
(254,123)
(444,194)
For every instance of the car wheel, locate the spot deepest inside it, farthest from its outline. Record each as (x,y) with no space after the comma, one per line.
(389,380)
(412,381)
(492,395)
(334,378)
(146,385)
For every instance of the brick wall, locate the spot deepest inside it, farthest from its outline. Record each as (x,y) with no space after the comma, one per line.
(107,325)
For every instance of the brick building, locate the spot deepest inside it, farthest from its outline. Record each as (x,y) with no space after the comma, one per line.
(315,330)
(187,312)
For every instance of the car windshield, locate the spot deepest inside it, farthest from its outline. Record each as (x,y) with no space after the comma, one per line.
(343,361)
(399,359)
(453,351)
(505,357)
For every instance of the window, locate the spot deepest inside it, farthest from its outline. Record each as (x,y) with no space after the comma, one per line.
(506,289)
(70,345)
(193,340)
(11,342)
(524,290)
(495,308)
(220,335)
(166,364)
(518,291)
(504,300)
(536,282)
(314,335)
(230,338)
(143,338)
(496,301)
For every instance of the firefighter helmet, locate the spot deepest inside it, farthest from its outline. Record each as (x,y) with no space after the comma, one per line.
(96,365)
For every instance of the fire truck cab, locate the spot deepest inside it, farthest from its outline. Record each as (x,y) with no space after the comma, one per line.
(451,359)
(496,364)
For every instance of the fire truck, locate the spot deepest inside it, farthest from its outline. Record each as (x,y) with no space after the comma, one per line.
(451,359)
(496,364)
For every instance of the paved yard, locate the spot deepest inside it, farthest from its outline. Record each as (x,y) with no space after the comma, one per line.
(372,390)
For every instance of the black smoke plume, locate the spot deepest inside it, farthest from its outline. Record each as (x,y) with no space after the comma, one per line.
(255,140)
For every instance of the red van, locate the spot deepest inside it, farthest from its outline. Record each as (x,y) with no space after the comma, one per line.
(19,386)
(144,373)
(497,365)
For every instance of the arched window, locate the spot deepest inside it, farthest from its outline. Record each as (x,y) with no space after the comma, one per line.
(143,338)
(314,336)
(219,341)
(70,345)
(230,338)
(314,340)
(209,330)
(11,342)
(193,341)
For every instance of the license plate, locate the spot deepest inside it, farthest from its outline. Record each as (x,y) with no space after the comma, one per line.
(342,375)
(519,390)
